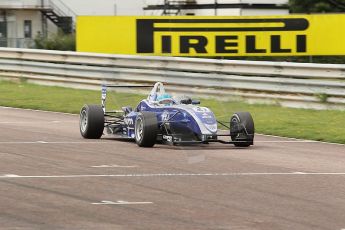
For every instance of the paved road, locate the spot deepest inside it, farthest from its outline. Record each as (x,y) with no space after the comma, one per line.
(51,178)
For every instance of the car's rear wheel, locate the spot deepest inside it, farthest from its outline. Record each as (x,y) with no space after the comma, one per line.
(91,121)
(242,129)
(146,127)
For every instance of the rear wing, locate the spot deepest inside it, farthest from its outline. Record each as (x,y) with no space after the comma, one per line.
(106,86)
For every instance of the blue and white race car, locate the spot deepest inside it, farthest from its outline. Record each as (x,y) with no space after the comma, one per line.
(162,119)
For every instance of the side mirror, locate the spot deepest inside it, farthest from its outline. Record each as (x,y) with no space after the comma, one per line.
(196,102)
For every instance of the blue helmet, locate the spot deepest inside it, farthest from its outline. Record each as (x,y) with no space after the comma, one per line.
(164,99)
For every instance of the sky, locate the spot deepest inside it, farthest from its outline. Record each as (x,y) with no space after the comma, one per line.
(106,7)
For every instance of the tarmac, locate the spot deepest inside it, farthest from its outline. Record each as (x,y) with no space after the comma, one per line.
(52,178)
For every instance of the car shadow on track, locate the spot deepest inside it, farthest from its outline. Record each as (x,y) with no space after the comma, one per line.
(191,147)
(202,147)
(118,139)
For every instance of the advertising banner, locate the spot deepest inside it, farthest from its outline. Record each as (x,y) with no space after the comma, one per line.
(294,35)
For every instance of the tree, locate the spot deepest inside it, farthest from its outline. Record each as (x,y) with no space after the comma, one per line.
(58,41)
(317,6)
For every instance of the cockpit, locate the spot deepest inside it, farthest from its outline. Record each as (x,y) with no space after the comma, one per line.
(158,96)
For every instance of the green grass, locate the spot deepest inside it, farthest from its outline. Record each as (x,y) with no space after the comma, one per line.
(325,125)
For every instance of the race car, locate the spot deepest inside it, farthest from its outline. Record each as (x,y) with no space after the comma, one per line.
(160,118)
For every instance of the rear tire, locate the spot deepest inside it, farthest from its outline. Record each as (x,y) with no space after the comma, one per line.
(146,128)
(91,121)
(242,129)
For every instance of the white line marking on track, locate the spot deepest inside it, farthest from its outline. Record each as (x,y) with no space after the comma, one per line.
(259,134)
(121,202)
(292,141)
(35,122)
(10,175)
(114,166)
(54,142)
(41,111)
(181,175)
(111,141)
(296,139)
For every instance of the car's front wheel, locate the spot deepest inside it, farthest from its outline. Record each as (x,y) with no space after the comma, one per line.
(91,121)
(146,127)
(242,129)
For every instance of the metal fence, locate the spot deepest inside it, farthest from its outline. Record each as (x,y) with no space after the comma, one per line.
(289,84)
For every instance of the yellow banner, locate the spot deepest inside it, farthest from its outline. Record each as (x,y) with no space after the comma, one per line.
(296,35)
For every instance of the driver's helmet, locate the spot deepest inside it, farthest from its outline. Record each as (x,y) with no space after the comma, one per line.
(165,99)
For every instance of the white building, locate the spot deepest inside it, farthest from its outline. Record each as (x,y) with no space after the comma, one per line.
(216,7)
(22,20)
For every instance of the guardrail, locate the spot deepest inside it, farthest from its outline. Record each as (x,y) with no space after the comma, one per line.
(290,84)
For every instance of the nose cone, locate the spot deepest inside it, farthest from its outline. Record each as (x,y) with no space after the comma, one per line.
(212,128)
(207,118)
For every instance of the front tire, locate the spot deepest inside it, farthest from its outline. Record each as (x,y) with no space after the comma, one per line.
(146,128)
(91,121)
(242,129)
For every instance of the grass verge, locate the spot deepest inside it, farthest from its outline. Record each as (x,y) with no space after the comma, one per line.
(269,119)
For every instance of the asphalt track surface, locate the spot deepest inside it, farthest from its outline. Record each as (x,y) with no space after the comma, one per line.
(51,178)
